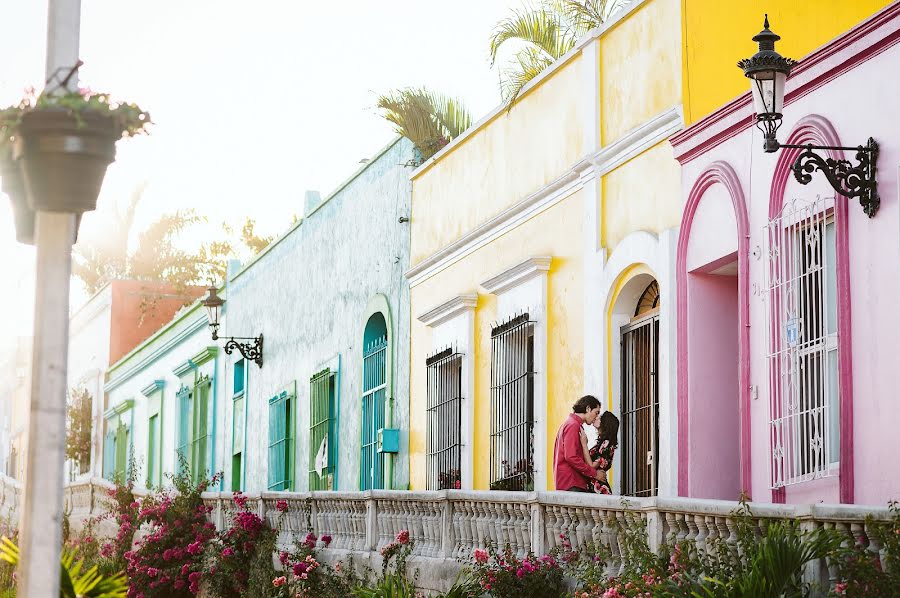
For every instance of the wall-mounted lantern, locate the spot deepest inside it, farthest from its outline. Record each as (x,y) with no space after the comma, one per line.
(250,350)
(767,71)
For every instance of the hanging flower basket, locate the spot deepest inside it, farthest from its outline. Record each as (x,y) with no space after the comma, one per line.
(13,187)
(63,143)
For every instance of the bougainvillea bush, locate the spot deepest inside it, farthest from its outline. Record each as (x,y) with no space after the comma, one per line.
(168,561)
(861,571)
(305,575)
(502,573)
(241,555)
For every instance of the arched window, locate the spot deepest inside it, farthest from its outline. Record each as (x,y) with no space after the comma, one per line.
(374,398)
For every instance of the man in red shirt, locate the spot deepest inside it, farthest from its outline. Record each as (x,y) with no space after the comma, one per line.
(569,467)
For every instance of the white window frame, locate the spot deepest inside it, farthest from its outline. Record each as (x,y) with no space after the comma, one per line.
(523,288)
(452,324)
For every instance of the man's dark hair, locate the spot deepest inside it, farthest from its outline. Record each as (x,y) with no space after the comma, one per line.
(585,404)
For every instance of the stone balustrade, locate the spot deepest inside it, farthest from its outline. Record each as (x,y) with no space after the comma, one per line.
(447,526)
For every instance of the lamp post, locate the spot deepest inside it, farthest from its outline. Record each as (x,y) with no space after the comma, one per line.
(250,350)
(768,70)
(54,233)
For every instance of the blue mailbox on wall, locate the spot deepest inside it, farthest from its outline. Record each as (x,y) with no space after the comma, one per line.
(388,440)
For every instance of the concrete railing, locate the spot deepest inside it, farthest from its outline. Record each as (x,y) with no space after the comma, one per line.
(447,526)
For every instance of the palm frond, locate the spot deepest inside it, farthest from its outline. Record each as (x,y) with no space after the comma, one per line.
(74,583)
(428,119)
(584,15)
(527,64)
(540,27)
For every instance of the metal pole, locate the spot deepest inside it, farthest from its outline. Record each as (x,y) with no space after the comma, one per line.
(41,538)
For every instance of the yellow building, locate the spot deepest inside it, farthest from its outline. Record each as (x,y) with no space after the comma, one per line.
(543,246)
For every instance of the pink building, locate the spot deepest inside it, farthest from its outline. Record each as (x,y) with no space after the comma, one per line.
(786,293)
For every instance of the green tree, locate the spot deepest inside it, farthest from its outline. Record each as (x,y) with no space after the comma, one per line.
(428,119)
(540,34)
(78,428)
(156,254)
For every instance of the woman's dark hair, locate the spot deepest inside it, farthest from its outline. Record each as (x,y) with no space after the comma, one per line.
(609,427)
(585,404)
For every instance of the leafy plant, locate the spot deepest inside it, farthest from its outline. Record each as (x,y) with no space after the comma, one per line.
(75,580)
(78,428)
(861,571)
(428,119)
(543,33)
(236,553)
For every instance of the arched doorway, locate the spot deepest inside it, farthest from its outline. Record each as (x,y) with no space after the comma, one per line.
(640,394)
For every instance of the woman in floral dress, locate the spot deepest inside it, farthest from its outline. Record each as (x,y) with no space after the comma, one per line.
(600,456)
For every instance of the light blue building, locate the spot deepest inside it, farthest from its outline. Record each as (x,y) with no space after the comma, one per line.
(328,408)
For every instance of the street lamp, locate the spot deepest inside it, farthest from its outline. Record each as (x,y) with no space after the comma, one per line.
(767,71)
(250,350)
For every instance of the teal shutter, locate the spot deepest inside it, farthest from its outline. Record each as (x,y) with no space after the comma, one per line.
(280,442)
(322,443)
(152,448)
(199,456)
(182,443)
(373,407)
(109,454)
(121,452)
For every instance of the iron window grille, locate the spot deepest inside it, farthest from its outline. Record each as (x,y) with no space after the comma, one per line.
(801,288)
(373,406)
(512,404)
(640,404)
(322,441)
(444,400)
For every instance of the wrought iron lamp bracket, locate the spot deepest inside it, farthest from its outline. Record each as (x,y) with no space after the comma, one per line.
(845,178)
(250,350)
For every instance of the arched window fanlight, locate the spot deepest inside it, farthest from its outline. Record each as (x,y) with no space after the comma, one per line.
(649,299)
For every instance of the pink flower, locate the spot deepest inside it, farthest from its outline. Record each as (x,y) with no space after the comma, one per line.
(481,556)
(326,539)
(279,581)
(520,572)
(338,566)
(227,552)
(152,572)
(283,558)
(310,540)
(106,550)
(281,505)
(194,548)
(403,536)
(840,588)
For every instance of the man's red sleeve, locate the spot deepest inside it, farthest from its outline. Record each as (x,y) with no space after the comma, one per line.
(574,455)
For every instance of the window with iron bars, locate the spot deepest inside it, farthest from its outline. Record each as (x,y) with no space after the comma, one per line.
(512,404)
(373,416)
(322,445)
(803,351)
(444,398)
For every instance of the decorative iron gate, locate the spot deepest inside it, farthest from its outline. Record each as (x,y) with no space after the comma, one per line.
(373,403)
(640,406)
(322,454)
(801,290)
(444,419)
(512,405)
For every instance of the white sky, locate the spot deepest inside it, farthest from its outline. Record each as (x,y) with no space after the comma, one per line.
(254,102)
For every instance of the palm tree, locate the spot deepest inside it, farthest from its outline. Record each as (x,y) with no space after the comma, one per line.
(543,34)
(430,120)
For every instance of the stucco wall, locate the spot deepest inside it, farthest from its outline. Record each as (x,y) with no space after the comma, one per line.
(555,232)
(642,194)
(512,155)
(874,255)
(157,359)
(308,295)
(640,68)
(718,34)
